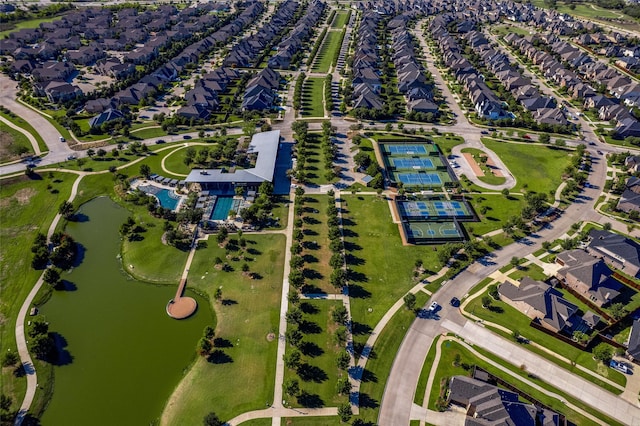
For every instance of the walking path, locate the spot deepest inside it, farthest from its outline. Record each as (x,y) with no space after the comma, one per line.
(181,307)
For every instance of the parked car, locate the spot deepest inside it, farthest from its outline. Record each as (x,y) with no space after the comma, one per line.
(433,307)
(484,132)
(72,157)
(62,139)
(455,302)
(620,366)
(160,141)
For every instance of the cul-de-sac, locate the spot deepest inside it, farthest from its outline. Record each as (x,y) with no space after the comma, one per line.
(320,212)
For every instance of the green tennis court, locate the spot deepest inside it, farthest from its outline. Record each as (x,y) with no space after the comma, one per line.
(434,209)
(418,232)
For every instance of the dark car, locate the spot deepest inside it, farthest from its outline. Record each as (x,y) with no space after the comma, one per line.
(455,302)
(186,137)
(484,132)
(160,141)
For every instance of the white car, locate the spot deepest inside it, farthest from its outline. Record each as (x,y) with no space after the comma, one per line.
(62,139)
(433,306)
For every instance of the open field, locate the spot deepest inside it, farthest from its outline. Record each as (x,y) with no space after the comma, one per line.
(239,376)
(327,52)
(340,20)
(540,168)
(381,267)
(312,97)
(316,253)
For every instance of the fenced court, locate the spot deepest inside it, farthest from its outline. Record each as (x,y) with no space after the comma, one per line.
(432,232)
(435,210)
(405,149)
(421,179)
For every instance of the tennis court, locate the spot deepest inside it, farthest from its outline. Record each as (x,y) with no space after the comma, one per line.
(412,163)
(427,179)
(434,209)
(406,149)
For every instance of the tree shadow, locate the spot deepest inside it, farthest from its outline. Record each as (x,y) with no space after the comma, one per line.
(348,233)
(79,257)
(359,329)
(80,218)
(351,246)
(312,274)
(310,220)
(309,258)
(310,232)
(309,327)
(62,355)
(367,402)
(228,302)
(219,357)
(309,400)
(308,308)
(220,342)
(311,349)
(312,289)
(311,373)
(368,376)
(66,285)
(354,260)
(253,251)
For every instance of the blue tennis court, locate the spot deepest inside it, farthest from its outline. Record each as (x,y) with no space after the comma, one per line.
(433,209)
(419,178)
(407,149)
(412,163)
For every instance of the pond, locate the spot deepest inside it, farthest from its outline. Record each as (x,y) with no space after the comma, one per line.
(122,354)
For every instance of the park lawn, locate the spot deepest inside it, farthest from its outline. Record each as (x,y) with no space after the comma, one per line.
(21,122)
(488,177)
(154,161)
(446,369)
(327,52)
(503,30)
(317,269)
(532,271)
(499,210)
(539,167)
(318,359)
(147,133)
(313,97)
(13,143)
(515,320)
(258,422)
(244,379)
(174,160)
(340,19)
(31,23)
(378,367)
(447,142)
(314,167)
(381,267)
(28,207)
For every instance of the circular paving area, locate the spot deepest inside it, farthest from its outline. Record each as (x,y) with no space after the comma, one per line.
(181,307)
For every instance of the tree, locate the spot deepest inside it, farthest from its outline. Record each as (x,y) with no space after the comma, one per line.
(546,245)
(9,359)
(292,359)
(38,327)
(41,346)
(5,402)
(145,171)
(606,226)
(296,279)
(249,128)
(602,352)
(342,360)
(293,337)
(293,297)
(208,332)
(617,311)
(515,261)
(212,419)
(292,387)
(338,278)
(91,152)
(544,138)
(66,209)
(218,294)
(204,346)
(505,192)
(344,412)
(486,302)
(493,291)
(339,315)
(343,386)
(51,276)
(294,316)
(410,301)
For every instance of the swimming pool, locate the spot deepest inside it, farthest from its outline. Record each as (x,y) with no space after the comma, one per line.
(221,208)
(167,199)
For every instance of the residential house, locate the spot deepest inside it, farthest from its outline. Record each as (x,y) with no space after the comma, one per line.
(617,250)
(633,344)
(109,114)
(588,276)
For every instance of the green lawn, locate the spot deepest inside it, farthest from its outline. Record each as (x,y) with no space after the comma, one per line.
(382,268)
(174,161)
(21,122)
(27,206)
(532,271)
(421,389)
(514,320)
(13,142)
(446,369)
(539,167)
(317,374)
(503,30)
(31,23)
(243,378)
(340,19)
(147,133)
(325,55)
(312,97)
(314,167)
(317,269)
(446,143)
(311,421)
(497,210)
